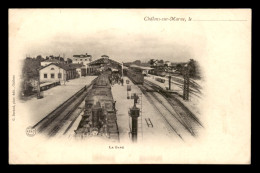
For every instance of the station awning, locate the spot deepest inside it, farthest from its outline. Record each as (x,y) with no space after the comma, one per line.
(141,67)
(113,69)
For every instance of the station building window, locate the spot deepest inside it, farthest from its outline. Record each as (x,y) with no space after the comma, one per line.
(59,75)
(45,75)
(52,75)
(80,59)
(52,68)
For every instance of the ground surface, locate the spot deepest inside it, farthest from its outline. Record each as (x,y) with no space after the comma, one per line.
(151,112)
(196,94)
(160,130)
(39,108)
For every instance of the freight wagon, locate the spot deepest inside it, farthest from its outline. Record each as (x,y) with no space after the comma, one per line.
(99,118)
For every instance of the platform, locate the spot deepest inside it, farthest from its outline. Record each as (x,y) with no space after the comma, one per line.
(52,98)
(145,133)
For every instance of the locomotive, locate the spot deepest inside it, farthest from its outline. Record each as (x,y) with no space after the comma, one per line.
(136,76)
(99,118)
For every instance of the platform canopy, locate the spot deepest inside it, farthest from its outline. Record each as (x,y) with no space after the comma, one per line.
(104,61)
(140,67)
(113,69)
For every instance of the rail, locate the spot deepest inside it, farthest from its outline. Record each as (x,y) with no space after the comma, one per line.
(178,117)
(168,95)
(51,116)
(149,122)
(160,112)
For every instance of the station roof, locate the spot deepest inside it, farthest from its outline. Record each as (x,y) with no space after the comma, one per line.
(113,69)
(63,66)
(82,56)
(104,61)
(140,67)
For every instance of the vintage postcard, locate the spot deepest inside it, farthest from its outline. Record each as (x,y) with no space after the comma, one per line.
(129,86)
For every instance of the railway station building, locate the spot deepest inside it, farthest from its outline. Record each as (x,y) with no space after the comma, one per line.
(80,69)
(103,64)
(57,72)
(82,59)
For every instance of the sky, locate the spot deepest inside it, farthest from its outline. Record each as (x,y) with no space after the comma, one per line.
(123,35)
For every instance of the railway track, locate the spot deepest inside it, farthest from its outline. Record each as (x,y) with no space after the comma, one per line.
(176,103)
(148,122)
(193,84)
(175,114)
(54,121)
(150,98)
(166,104)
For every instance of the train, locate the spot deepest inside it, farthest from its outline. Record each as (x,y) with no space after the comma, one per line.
(160,80)
(158,73)
(135,76)
(99,117)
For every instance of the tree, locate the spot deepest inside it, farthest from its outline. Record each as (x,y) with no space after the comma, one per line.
(69,60)
(137,62)
(30,73)
(27,88)
(39,58)
(194,69)
(151,62)
(179,67)
(161,61)
(30,68)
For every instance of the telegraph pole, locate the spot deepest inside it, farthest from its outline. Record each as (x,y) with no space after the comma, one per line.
(186,77)
(38,86)
(122,69)
(59,75)
(170,82)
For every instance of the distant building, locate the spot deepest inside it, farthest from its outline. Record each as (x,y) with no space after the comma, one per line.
(80,69)
(173,64)
(102,64)
(82,59)
(168,63)
(105,56)
(49,61)
(57,72)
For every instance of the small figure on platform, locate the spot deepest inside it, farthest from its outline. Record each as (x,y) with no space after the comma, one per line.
(114,105)
(122,80)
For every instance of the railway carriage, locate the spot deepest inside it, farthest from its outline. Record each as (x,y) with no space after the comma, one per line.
(99,118)
(160,80)
(136,76)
